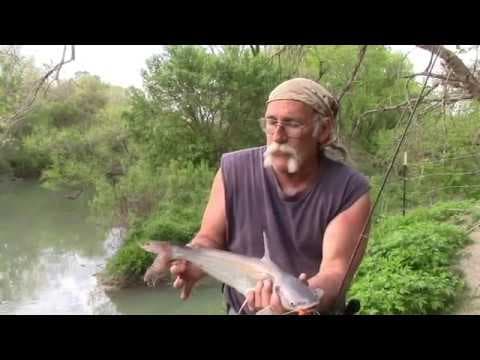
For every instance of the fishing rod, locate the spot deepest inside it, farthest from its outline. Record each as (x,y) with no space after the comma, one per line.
(387,174)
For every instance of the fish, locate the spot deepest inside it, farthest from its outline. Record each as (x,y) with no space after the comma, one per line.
(238,271)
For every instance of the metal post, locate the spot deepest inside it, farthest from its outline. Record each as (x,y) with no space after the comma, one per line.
(404,173)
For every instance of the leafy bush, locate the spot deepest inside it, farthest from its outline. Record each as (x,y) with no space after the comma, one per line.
(131,262)
(408,268)
(176,217)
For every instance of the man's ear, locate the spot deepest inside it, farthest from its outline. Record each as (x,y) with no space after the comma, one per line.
(324,134)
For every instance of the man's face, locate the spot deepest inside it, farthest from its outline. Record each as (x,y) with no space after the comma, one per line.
(289,129)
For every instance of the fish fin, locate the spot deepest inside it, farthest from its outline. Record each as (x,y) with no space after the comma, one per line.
(265,311)
(266,256)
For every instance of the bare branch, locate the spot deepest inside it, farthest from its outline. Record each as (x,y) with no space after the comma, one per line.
(407,103)
(435,76)
(15,118)
(476,60)
(460,71)
(255,49)
(278,52)
(361,56)
(62,61)
(398,106)
(430,108)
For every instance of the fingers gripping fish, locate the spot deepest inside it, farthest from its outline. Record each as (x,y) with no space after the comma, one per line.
(238,271)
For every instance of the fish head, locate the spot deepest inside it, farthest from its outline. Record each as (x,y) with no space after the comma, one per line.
(295,295)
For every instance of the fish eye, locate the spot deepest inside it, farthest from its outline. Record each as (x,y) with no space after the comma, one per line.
(292,303)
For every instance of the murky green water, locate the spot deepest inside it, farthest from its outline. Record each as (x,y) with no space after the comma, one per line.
(49,252)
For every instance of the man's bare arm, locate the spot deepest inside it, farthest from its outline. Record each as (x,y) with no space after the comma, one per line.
(339,242)
(213,229)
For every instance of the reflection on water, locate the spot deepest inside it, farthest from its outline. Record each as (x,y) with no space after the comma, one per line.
(114,240)
(206,299)
(63,283)
(49,254)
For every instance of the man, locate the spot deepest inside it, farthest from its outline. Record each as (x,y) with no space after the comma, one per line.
(312,208)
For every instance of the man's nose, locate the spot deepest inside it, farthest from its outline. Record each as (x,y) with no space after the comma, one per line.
(280,135)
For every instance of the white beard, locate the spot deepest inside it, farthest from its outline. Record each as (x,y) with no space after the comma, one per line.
(267,161)
(293,161)
(293,165)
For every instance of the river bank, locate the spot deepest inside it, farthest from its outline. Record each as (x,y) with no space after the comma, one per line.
(52,252)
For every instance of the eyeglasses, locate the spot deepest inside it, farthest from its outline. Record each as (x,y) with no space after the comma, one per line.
(293,129)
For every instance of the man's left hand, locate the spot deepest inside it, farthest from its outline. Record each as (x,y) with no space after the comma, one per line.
(265,296)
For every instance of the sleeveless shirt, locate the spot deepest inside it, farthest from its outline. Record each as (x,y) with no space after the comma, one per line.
(294,225)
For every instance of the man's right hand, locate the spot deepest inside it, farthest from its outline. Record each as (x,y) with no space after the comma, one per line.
(211,235)
(187,275)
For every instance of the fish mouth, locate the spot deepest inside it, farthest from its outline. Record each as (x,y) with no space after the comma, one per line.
(307,307)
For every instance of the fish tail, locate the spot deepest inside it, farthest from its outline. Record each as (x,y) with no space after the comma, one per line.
(161,263)
(156,247)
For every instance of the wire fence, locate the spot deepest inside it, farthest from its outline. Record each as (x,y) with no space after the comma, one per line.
(424,183)
(442,161)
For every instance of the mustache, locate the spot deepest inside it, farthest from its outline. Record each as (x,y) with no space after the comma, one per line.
(293,161)
(280,148)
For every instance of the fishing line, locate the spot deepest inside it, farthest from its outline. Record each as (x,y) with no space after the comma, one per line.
(243,305)
(432,62)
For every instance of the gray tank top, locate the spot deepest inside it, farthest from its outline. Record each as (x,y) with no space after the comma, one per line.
(294,225)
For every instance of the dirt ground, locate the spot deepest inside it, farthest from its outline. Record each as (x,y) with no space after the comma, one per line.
(470,266)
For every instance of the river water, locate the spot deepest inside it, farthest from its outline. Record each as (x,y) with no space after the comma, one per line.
(50,250)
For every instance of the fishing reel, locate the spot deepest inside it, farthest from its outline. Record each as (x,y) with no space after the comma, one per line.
(352,307)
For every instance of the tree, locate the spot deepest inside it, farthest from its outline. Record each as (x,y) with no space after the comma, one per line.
(202,104)
(455,73)
(21,86)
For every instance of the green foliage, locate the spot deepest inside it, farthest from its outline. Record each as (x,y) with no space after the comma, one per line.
(396,289)
(77,137)
(74,102)
(130,261)
(437,170)
(67,134)
(176,216)
(149,155)
(378,84)
(408,268)
(451,211)
(206,103)
(420,245)
(16,75)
